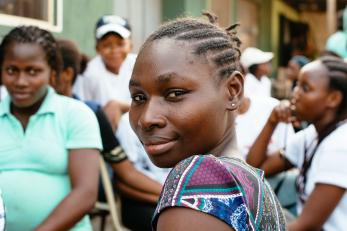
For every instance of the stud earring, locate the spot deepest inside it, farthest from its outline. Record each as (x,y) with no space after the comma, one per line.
(233,104)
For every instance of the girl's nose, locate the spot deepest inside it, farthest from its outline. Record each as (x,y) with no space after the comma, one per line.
(152,117)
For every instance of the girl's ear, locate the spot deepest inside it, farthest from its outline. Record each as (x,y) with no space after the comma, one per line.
(335,99)
(235,90)
(53,79)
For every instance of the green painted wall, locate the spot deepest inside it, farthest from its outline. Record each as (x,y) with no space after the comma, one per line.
(195,7)
(279,8)
(79,18)
(264,40)
(172,9)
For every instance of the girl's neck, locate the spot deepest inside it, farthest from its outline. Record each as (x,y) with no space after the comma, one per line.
(328,120)
(27,111)
(228,145)
(244,106)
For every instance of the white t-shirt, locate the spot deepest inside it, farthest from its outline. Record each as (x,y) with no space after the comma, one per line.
(249,125)
(255,87)
(100,85)
(136,153)
(328,167)
(3,92)
(2,214)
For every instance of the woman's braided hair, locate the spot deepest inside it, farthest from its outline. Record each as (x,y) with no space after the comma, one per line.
(33,34)
(208,39)
(337,74)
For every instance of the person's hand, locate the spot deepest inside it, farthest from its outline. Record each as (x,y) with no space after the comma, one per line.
(282,113)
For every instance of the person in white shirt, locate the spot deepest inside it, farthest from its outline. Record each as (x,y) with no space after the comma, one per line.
(253,114)
(257,64)
(3,92)
(107,75)
(319,151)
(252,117)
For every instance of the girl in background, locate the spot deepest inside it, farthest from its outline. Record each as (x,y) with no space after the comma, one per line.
(49,145)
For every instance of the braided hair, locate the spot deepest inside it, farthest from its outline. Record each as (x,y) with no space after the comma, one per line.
(33,34)
(209,40)
(337,75)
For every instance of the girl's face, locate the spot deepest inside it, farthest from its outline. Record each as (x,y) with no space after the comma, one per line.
(113,49)
(25,73)
(178,108)
(312,93)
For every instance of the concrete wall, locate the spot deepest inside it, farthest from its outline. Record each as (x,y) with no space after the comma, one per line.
(144,16)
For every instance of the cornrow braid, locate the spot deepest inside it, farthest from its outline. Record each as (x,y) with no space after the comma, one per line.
(209,40)
(32,34)
(337,73)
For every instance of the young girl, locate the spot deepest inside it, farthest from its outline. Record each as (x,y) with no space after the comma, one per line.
(319,151)
(186,89)
(49,143)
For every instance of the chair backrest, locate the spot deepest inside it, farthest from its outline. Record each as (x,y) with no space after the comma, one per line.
(110,197)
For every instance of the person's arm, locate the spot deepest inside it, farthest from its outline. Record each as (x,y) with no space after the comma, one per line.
(179,218)
(131,178)
(257,155)
(132,193)
(309,218)
(114,110)
(84,173)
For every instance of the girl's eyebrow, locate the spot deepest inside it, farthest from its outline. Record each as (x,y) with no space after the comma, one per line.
(161,79)
(134,83)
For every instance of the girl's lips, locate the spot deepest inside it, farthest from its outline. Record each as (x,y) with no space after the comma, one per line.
(157,149)
(20,95)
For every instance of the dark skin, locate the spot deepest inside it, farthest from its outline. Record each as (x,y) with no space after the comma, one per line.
(130,181)
(172,121)
(262,69)
(314,102)
(26,74)
(113,49)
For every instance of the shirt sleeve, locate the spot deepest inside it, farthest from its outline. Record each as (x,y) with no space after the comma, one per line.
(294,151)
(113,152)
(332,164)
(203,184)
(83,129)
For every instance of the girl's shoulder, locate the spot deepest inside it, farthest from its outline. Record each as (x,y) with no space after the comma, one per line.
(226,188)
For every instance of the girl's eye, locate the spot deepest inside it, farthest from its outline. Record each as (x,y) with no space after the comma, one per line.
(32,72)
(138,98)
(10,70)
(305,87)
(174,94)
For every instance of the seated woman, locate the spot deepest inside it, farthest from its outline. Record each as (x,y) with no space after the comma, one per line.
(186,89)
(319,151)
(49,145)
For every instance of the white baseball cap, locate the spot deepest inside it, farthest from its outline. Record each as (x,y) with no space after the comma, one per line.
(252,55)
(112,23)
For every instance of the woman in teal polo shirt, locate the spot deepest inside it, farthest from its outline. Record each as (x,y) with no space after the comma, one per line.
(49,143)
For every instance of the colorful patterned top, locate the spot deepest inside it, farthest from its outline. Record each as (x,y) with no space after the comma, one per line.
(226,188)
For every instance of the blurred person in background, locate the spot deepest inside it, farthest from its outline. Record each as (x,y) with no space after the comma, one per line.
(258,68)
